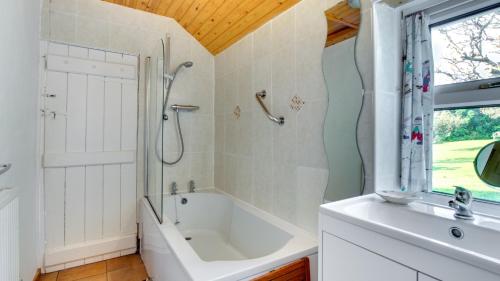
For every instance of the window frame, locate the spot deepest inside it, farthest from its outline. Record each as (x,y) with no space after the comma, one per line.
(451,16)
(463,95)
(470,86)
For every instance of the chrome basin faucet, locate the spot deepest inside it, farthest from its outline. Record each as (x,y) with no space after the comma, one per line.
(462,204)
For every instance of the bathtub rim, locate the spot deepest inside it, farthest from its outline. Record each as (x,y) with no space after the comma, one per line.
(302,244)
(230,206)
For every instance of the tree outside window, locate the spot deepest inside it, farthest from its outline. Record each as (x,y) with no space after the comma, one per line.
(467,49)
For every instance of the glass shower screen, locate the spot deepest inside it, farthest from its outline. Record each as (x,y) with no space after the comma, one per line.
(154,68)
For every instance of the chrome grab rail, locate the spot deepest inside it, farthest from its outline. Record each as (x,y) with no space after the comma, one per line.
(280,120)
(184,107)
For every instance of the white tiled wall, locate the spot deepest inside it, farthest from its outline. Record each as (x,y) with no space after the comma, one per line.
(281,169)
(102,25)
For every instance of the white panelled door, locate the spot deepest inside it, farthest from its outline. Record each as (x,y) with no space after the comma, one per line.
(90,143)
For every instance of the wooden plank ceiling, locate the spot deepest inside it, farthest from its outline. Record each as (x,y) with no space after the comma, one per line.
(216,24)
(343,23)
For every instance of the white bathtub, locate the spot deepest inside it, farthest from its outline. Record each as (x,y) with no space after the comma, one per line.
(230,240)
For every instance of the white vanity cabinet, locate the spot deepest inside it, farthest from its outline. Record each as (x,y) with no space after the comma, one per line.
(365,239)
(358,264)
(354,263)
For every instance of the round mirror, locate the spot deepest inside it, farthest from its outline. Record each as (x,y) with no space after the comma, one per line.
(487,164)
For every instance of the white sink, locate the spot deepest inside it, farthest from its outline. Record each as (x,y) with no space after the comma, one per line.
(426,226)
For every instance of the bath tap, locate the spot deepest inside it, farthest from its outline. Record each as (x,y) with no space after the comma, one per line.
(173,188)
(462,204)
(192,187)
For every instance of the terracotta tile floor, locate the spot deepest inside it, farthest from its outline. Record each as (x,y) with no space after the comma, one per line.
(126,268)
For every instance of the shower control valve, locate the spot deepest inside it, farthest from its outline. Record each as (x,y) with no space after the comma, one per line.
(173,188)
(192,187)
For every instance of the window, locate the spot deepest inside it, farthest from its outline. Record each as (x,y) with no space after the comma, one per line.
(466,56)
(467,49)
(459,134)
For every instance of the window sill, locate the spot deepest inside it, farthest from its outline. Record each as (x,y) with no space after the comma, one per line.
(480,207)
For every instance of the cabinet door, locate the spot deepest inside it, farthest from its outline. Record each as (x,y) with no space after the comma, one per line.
(345,261)
(423,277)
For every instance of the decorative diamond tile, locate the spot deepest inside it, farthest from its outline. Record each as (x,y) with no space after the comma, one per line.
(237,112)
(296,103)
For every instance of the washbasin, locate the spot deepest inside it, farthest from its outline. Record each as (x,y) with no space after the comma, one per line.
(428,226)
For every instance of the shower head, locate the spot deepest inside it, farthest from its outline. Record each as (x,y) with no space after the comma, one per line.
(186,64)
(169,78)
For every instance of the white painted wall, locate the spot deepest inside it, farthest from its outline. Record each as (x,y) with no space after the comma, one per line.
(19,30)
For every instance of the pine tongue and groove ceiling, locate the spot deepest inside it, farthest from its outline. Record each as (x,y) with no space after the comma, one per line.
(216,24)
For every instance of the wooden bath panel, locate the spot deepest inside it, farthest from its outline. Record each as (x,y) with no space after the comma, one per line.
(295,271)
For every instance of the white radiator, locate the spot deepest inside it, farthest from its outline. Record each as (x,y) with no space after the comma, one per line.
(9,236)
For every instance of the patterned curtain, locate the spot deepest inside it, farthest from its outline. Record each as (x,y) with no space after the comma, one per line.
(417,105)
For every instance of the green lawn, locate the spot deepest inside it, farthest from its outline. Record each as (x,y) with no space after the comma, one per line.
(453,165)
